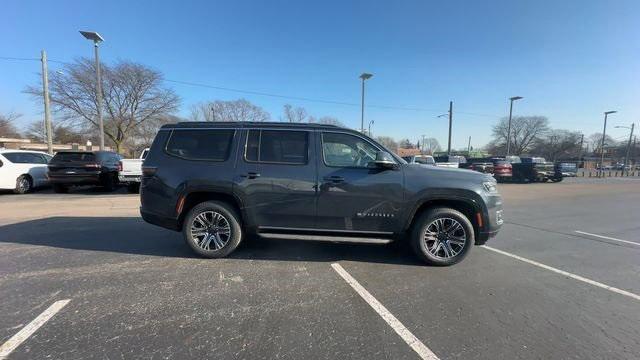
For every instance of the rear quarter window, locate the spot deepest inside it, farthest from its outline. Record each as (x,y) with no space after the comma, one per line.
(211,145)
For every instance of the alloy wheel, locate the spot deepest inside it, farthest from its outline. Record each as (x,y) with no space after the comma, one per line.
(23,185)
(444,238)
(210,230)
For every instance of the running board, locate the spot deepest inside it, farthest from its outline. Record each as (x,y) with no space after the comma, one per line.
(342,239)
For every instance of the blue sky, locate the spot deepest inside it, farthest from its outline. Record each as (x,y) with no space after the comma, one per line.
(571,60)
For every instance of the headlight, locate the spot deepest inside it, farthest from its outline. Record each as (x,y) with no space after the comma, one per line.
(490,187)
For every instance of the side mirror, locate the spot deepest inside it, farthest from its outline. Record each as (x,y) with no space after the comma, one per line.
(384,160)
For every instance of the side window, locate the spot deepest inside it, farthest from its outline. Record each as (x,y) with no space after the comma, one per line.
(275,146)
(37,159)
(344,150)
(24,158)
(213,145)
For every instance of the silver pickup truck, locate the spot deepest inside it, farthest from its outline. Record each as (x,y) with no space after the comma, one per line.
(130,171)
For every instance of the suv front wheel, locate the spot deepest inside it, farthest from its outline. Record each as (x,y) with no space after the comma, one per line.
(212,229)
(442,236)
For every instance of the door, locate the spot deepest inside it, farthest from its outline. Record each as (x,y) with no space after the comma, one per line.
(354,197)
(33,164)
(277,179)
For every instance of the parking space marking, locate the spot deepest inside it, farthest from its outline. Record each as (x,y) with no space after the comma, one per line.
(22,335)
(421,349)
(565,273)
(608,238)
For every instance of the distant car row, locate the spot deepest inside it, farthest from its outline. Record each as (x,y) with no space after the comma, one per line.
(504,169)
(22,171)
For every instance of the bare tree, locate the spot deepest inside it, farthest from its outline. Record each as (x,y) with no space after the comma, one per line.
(388,142)
(595,142)
(525,131)
(557,145)
(406,144)
(234,110)
(430,146)
(328,120)
(7,127)
(61,134)
(132,93)
(294,115)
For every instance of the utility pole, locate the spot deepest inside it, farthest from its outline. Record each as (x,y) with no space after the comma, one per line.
(604,133)
(635,160)
(213,113)
(47,110)
(626,157)
(422,150)
(581,144)
(450,121)
(469,147)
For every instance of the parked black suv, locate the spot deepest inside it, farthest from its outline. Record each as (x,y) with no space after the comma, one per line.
(72,168)
(218,182)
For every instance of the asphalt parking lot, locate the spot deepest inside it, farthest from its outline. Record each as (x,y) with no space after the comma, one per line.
(561,281)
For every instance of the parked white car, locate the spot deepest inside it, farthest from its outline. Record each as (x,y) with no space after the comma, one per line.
(130,171)
(22,171)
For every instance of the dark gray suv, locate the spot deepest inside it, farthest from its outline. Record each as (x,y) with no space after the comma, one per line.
(218,182)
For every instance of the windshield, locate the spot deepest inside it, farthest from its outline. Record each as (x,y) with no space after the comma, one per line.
(424,160)
(74,156)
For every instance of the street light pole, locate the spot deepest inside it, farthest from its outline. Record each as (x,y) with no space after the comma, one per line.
(47,110)
(363,76)
(96,38)
(99,94)
(509,126)
(370,123)
(604,133)
(450,122)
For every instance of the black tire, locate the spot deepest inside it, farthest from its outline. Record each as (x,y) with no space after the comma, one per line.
(60,189)
(202,245)
(555,180)
(426,252)
(109,182)
(133,188)
(24,184)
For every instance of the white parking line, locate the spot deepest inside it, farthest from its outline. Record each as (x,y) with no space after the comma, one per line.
(31,328)
(608,238)
(565,273)
(421,349)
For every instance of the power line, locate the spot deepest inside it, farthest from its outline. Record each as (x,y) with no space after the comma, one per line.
(251,92)
(289,97)
(18,58)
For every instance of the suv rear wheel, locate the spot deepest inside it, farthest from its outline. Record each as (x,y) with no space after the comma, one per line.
(212,229)
(442,236)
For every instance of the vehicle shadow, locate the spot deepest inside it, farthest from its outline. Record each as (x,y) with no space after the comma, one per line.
(131,235)
(76,190)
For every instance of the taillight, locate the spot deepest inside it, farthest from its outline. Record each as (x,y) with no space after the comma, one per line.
(149,170)
(119,166)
